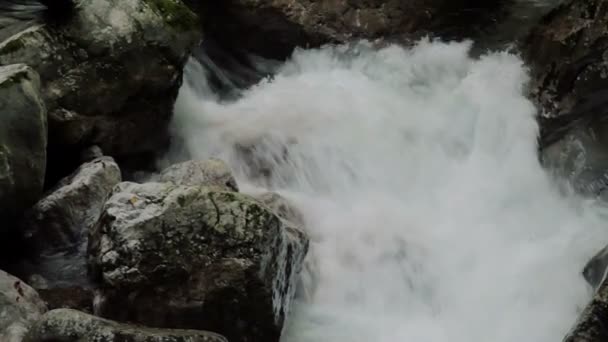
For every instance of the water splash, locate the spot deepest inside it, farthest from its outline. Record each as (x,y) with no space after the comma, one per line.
(430,216)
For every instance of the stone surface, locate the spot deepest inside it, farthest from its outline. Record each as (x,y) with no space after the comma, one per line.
(78,298)
(23,140)
(63,217)
(595,270)
(20,306)
(569,59)
(195,257)
(212,172)
(273,28)
(65,325)
(110,74)
(591,325)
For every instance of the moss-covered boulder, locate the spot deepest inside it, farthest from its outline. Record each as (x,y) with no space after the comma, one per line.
(66,325)
(23,140)
(110,74)
(195,257)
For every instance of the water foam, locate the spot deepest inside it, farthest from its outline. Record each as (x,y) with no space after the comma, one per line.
(417,173)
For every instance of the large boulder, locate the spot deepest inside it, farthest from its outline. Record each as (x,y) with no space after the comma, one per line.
(195,257)
(23,140)
(211,172)
(65,325)
(570,70)
(273,28)
(110,73)
(20,306)
(63,217)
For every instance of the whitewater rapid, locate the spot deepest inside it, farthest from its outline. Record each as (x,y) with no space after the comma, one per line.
(417,173)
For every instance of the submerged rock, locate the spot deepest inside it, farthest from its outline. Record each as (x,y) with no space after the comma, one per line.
(115,67)
(63,217)
(23,140)
(67,325)
(195,257)
(567,52)
(20,306)
(212,172)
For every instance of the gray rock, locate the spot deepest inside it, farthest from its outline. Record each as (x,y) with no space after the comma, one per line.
(212,172)
(116,67)
(63,217)
(282,207)
(567,52)
(595,270)
(591,325)
(195,257)
(66,325)
(20,306)
(23,140)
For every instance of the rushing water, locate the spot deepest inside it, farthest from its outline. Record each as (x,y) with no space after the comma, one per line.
(417,173)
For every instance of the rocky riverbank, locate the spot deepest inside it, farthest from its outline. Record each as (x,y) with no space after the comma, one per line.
(182,254)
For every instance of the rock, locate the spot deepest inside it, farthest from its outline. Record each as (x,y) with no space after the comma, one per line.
(65,325)
(212,172)
(78,298)
(567,52)
(195,257)
(63,217)
(23,140)
(595,270)
(591,325)
(20,306)
(111,73)
(282,207)
(273,28)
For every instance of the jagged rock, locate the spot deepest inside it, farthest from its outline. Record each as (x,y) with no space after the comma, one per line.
(66,325)
(63,217)
(212,172)
(115,67)
(23,140)
(20,306)
(567,52)
(591,325)
(273,28)
(195,257)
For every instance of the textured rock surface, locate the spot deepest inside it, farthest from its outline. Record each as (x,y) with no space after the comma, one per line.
(570,67)
(595,270)
(274,28)
(65,325)
(23,140)
(591,326)
(77,298)
(282,207)
(212,172)
(195,257)
(63,217)
(111,73)
(20,306)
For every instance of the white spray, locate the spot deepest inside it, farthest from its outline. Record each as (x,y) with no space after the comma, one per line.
(417,173)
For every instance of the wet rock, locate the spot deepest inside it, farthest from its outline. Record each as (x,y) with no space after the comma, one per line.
(569,59)
(212,172)
(282,207)
(63,217)
(591,325)
(110,73)
(595,270)
(23,140)
(273,28)
(67,325)
(195,257)
(20,306)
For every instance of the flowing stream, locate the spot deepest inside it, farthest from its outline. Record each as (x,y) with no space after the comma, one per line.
(417,173)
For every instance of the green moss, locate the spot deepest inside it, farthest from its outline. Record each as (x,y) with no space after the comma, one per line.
(176,14)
